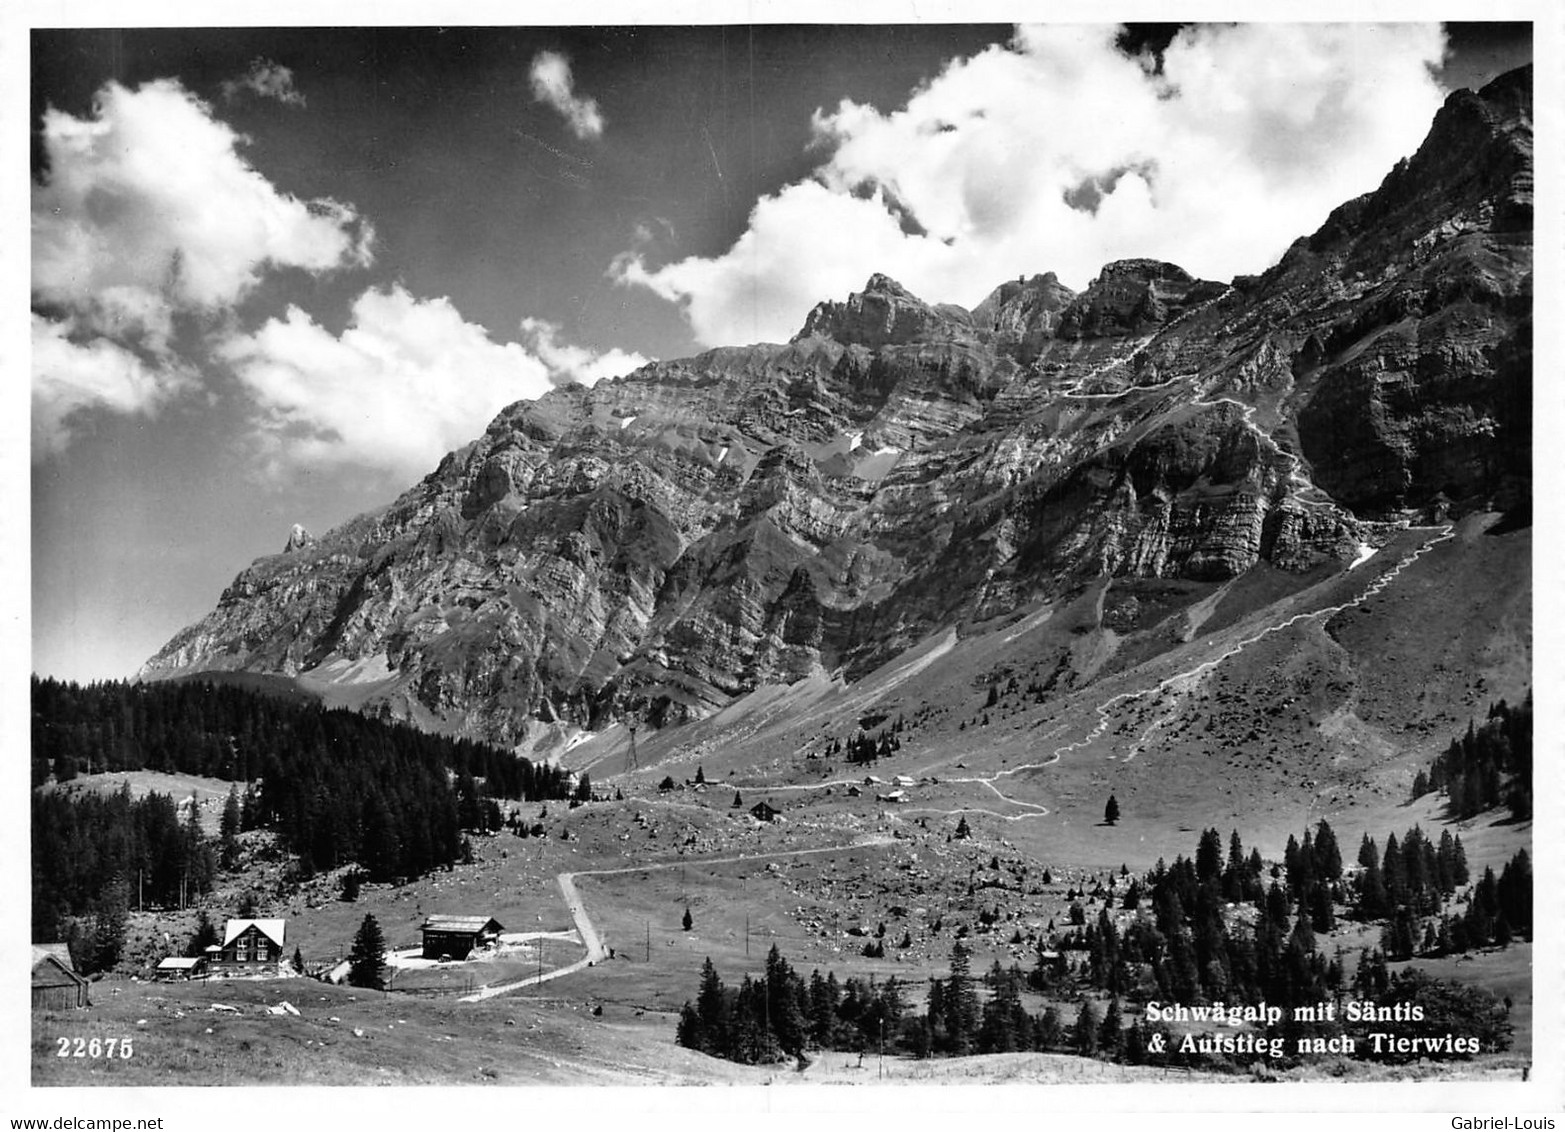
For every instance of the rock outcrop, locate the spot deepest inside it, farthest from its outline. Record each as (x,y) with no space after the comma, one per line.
(658,543)
(298,539)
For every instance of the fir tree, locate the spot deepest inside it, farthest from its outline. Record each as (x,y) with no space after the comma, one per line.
(367,960)
(960,1002)
(1111,811)
(1084,1036)
(205,936)
(1111,1038)
(228,853)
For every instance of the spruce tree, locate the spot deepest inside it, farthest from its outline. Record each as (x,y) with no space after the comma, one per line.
(712,1013)
(1111,811)
(1085,1035)
(960,1002)
(367,960)
(229,830)
(205,936)
(1111,1039)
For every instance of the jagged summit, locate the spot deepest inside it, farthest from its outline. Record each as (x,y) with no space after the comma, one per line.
(884,313)
(657,544)
(298,538)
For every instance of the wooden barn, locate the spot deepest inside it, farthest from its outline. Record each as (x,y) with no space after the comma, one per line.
(177,968)
(248,945)
(453,937)
(764,811)
(56,985)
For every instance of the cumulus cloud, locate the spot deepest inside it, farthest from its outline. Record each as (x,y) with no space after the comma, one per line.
(149,209)
(1058,152)
(266,79)
(552,84)
(408,380)
(568,363)
(148,212)
(71,375)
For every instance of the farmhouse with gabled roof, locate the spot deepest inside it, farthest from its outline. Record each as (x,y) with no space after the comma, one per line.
(248,945)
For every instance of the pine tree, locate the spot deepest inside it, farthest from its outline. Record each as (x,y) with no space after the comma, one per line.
(1111,811)
(712,1013)
(960,1002)
(688,921)
(1111,1038)
(367,960)
(1085,1035)
(229,830)
(205,936)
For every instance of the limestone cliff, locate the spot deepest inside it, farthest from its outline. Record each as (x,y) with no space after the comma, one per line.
(661,542)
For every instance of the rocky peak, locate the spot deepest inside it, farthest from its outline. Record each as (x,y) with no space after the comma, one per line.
(657,543)
(885,313)
(1134,297)
(1474,170)
(1022,314)
(298,539)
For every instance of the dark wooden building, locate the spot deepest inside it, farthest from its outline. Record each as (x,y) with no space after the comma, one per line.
(453,937)
(764,811)
(249,945)
(177,968)
(56,985)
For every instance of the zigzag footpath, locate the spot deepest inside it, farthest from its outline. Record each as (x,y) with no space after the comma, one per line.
(1178,683)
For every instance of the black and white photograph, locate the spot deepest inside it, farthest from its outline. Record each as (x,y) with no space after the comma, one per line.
(733,549)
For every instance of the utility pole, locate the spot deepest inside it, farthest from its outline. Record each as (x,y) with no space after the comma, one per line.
(747,935)
(649,941)
(540,959)
(882,1071)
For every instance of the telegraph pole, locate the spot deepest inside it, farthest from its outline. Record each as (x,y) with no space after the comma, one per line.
(649,941)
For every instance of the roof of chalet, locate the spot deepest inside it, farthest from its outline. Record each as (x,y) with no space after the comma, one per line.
(48,971)
(272,929)
(461,924)
(60,951)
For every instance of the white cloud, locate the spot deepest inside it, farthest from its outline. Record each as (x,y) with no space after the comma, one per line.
(1248,138)
(70,376)
(407,381)
(267,80)
(576,363)
(149,209)
(552,83)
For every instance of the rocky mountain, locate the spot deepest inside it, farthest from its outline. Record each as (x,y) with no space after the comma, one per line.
(654,545)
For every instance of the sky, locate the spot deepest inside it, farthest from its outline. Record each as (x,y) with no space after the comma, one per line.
(275,275)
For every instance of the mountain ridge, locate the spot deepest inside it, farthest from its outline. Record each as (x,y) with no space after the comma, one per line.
(659,543)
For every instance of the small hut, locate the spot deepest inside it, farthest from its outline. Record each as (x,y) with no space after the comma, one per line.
(454,937)
(177,968)
(56,985)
